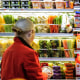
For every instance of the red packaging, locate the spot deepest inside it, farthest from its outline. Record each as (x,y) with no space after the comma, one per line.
(44,64)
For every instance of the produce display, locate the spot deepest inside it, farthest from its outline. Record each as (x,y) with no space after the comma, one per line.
(55,47)
(46,48)
(4,44)
(61,70)
(43,24)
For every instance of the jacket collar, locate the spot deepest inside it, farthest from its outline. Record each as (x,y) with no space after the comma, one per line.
(19,39)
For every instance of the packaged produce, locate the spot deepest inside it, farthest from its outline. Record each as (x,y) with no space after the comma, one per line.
(36,4)
(57,71)
(56,67)
(42,28)
(65,47)
(4,44)
(70,68)
(43,53)
(50,64)
(68,64)
(55,22)
(69,74)
(59,4)
(49,70)
(43,44)
(1,24)
(54,43)
(35,45)
(54,53)
(71,4)
(44,64)
(57,74)
(9,19)
(69,71)
(56,77)
(48,4)
(69,77)
(67,4)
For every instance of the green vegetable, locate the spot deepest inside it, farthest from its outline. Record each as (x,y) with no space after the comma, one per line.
(9,19)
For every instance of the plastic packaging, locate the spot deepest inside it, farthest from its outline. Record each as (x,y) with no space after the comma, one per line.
(36,4)
(56,67)
(59,4)
(48,4)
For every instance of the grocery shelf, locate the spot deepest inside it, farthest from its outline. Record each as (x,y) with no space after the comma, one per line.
(77,52)
(40,34)
(56,59)
(54,34)
(35,10)
(6,24)
(6,34)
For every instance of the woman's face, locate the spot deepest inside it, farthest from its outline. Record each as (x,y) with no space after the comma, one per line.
(33,35)
(30,36)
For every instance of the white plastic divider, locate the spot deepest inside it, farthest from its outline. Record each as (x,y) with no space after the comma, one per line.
(46,24)
(35,10)
(53,59)
(56,59)
(41,34)
(6,34)
(54,34)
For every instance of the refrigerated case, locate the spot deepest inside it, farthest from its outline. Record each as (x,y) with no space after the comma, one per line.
(56,48)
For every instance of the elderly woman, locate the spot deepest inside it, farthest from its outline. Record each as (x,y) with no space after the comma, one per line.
(20,60)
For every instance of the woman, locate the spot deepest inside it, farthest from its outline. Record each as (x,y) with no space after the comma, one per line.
(20,60)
